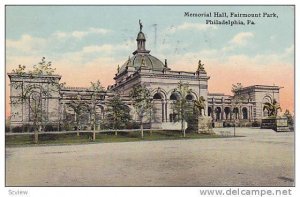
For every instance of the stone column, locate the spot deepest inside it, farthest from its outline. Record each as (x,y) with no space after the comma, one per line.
(249,113)
(223,113)
(166,111)
(162,111)
(213,113)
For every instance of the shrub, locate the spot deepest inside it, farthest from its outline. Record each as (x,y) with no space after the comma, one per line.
(51,127)
(68,126)
(290,121)
(46,137)
(48,127)
(84,128)
(246,124)
(228,124)
(256,124)
(192,123)
(17,129)
(133,125)
(7,129)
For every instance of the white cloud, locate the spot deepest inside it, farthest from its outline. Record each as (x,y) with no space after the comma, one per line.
(91,52)
(30,45)
(241,38)
(60,34)
(97,48)
(99,30)
(191,26)
(80,34)
(27,43)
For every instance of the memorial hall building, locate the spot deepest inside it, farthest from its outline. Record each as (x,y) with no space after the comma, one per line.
(145,69)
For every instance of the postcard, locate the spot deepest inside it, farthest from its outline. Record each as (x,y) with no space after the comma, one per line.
(150,95)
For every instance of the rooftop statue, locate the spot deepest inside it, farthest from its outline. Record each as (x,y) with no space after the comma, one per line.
(200,66)
(141,25)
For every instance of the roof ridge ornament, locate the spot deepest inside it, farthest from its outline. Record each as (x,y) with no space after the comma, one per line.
(128,61)
(143,63)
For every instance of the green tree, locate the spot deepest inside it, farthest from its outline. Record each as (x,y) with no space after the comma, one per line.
(34,94)
(237,99)
(79,108)
(182,106)
(43,68)
(141,99)
(117,114)
(97,89)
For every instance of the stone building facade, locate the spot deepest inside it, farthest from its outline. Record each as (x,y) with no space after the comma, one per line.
(44,88)
(145,69)
(224,108)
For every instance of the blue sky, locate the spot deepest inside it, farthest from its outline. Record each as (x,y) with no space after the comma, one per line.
(92,40)
(271,34)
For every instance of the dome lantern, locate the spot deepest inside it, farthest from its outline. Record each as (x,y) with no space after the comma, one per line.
(141,41)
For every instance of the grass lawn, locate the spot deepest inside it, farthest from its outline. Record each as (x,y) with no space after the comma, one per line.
(84,138)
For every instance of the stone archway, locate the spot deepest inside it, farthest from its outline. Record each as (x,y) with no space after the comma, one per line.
(245,113)
(235,113)
(173,116)
(266,99)
(218,113)
(227,113)
(158,109)
(100,114)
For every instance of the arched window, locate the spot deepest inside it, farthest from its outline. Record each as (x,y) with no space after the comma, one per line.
(267,99)
(157,96)
(189,97)
(174,96)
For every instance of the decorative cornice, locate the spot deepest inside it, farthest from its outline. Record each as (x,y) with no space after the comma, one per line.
(32,76)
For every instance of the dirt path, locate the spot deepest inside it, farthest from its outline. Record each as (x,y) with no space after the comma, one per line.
(261,158)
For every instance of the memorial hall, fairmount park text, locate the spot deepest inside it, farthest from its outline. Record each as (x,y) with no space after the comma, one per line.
(236,18)
(230,14)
